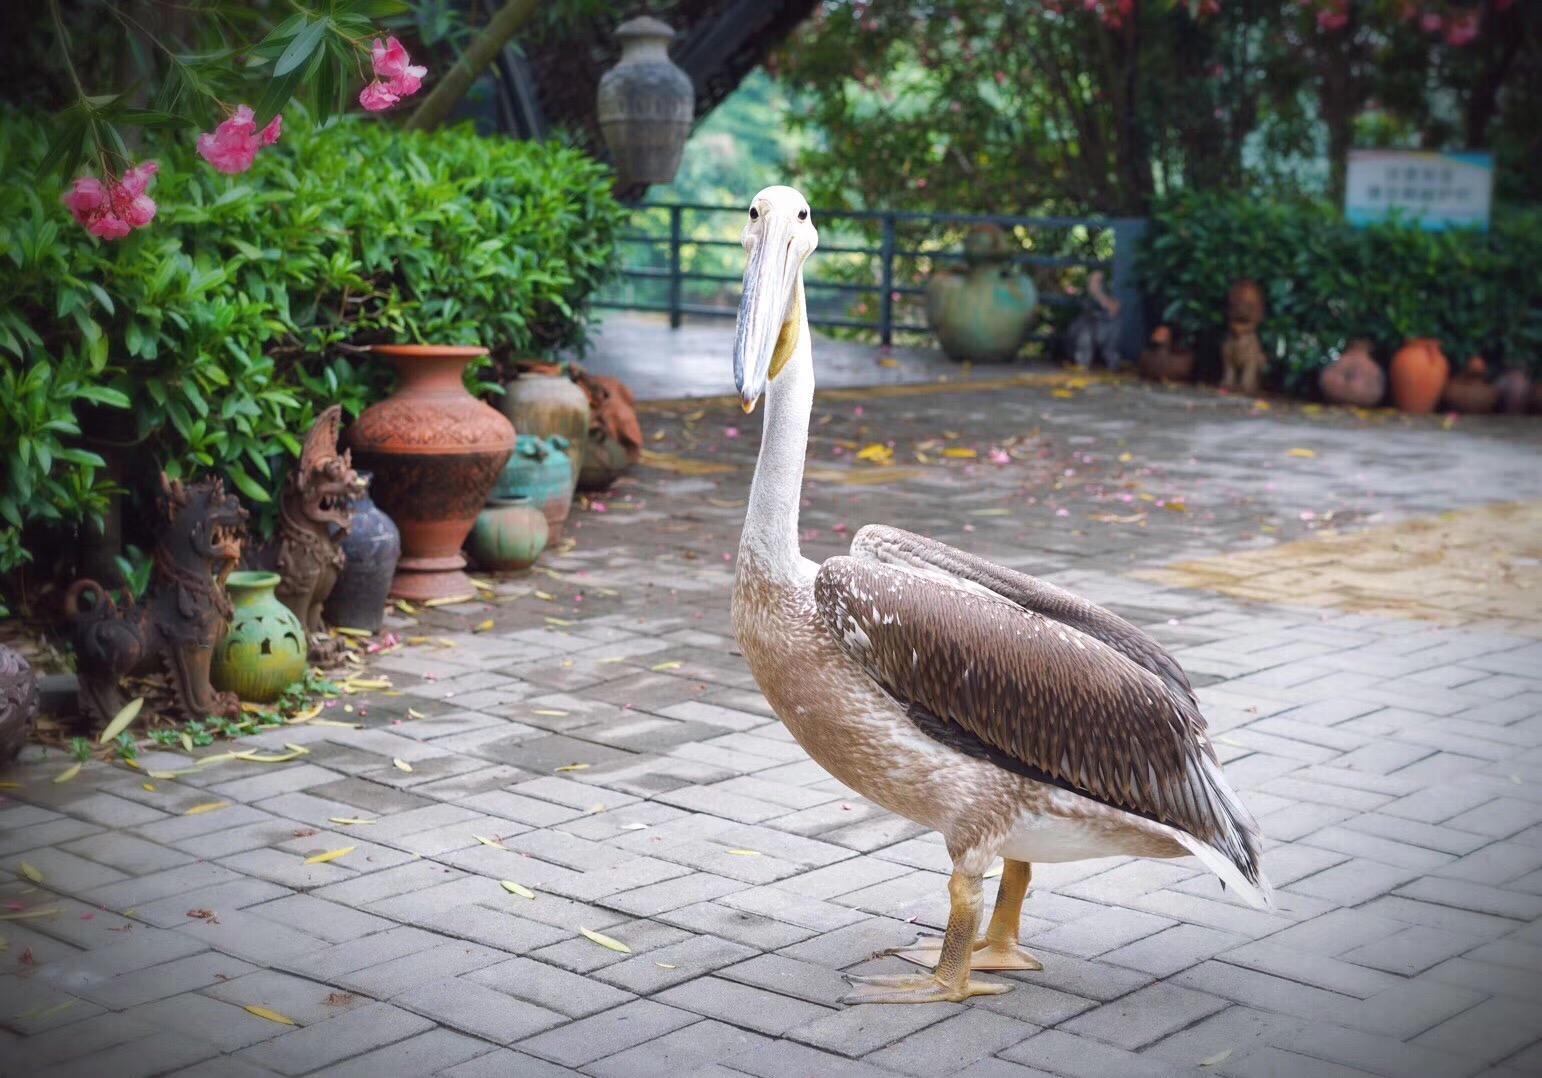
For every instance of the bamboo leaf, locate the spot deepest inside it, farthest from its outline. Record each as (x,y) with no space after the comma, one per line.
(31,872)
(330,855)
(605,941)
(68,773)
(199,810)
(270,1015)
(515,889)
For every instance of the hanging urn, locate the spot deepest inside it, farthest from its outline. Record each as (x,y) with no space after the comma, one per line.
(645,105)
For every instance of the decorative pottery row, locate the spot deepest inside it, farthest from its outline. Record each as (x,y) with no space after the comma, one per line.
(435,451)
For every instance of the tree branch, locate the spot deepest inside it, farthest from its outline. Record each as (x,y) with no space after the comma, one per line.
(484,49)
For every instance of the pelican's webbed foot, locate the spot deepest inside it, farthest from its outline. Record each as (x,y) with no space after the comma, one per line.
(916,988)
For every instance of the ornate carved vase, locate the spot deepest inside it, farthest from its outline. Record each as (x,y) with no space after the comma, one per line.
(983,314)
(370,553)
(1354,378)
(508,535)
(265,650)
(435,451)
(1418,375)
(548,404)
(645,105)
(541,471)
(19,702)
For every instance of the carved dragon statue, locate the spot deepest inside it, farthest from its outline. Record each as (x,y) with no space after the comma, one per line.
(315,513)
(183,616)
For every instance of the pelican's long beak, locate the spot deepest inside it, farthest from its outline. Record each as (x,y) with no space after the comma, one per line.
(769,277)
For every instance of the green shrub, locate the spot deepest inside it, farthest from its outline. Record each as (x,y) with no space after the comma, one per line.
(209,340)
(1328,284)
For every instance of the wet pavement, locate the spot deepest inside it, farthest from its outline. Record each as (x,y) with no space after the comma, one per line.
(1354,596)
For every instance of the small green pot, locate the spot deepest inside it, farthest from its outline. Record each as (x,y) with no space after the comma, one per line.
(265,651)
(509,534)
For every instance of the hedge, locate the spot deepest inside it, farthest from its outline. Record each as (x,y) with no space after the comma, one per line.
(209,340)
(1478,293)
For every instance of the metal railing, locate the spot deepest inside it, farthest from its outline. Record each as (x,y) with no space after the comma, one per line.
(907,247)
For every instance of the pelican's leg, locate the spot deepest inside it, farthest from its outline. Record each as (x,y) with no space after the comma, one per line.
(951,981)
(999,949)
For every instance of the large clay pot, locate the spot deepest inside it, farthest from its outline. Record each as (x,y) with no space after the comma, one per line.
(508,535)
(1515,388)
(983,314)
(370,552)
(19,703)
(1418,375)
(645,105)
(436,452)
(541,471)
(548,404)
(1164,363)
(265,650)
(1470,392)
(1354,378)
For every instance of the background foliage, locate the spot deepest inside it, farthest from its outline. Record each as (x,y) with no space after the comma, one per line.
(1328,284)
(208,342)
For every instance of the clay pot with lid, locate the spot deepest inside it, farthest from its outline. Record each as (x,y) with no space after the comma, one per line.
(435,451)
(1418,375)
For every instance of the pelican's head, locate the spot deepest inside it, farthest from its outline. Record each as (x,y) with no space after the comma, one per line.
(779,235)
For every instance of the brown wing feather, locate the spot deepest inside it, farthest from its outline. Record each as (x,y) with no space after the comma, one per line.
(898,547)
(1045,694)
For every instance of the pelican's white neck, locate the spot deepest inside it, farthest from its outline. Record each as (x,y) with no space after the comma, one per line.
(770,535)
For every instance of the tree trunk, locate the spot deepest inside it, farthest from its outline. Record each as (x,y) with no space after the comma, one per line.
(484,49)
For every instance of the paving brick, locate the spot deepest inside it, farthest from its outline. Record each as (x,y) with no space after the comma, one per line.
(672,894)
(1081,1057)
(549,986)
(750,929)
(607,1033)
(1488,1032)
(228,1027)
(138,1059)
(753,1008)
(788,1059)
(329,921)
(504,1063)
(1413,950)
(32,1054)
(953,1044)
(399,975)
(1345,978)
(680,1052)
(143,948)
(1144,1016)
(1409,1008)
(1100,932)
(1164,953)
(478,1010)
(333,962)
(363,1029)
(856,1031)
(1373,1053)
(178,977)
(582,955)
(691,957)
(433,1052)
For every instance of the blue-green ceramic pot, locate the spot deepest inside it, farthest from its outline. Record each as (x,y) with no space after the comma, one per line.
(542,471)
(508,535)
(265,650)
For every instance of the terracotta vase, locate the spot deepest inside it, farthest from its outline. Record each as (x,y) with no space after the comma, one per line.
(1515,389)
(1470,392)
(435,451)
(508,535)
(265,650)
(550,404)
(1418,375)
(1354,378)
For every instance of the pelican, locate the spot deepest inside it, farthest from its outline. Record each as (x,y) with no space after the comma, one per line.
(1015,718)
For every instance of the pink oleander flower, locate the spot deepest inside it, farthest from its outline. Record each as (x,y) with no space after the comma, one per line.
(112,210)
(1431,22)
(232,146)
(1462,28)
(377,97)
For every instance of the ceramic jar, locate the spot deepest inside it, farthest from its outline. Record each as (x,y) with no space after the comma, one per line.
(1418,375)
(548,404)
(19,703)
(983,314)
(265,650)
(541,471)
(509,535)
(1515,389)
(1164,363)
(435,451)
(370,552)
(1354,378)
(1470,392)
(645,105)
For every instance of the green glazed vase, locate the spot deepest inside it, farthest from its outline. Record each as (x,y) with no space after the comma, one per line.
(542,471)
(265,651)
(509,534)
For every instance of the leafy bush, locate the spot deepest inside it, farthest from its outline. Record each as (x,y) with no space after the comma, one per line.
(1328,284)
(209,340)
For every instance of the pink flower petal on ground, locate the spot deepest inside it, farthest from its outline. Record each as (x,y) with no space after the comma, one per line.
(377,97)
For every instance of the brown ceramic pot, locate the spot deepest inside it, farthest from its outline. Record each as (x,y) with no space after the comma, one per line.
(435,451)
(1164,363)
(1418,375)
(1354,378)
(1515,388)
(1470,392)
(547,404)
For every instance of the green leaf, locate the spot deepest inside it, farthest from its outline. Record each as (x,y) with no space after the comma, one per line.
(248,485)
(300,48)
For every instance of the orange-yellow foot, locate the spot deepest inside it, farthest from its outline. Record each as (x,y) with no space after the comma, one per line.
(915,988)
(988,954)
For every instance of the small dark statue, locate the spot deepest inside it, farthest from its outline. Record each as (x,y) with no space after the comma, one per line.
(19,702)
(315,513)
(1095,332)
(183,616)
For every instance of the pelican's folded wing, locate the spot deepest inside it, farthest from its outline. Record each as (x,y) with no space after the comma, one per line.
(895,546)
(1042,696)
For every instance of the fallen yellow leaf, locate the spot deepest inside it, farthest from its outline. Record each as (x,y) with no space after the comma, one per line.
(548,711)
(573,767)
(199,810)
(120,722)
(558,621)
(515,889)
(545,595)
(28,915)
(349,821)
(664,965)
(494,843)
(413,713)
(401,765)
(68,773)
(31,873)
(149,786)
(257,758)
(960,454)
(675,665)
(272,1016)
(1308,453)
(745,853)
(877,453)
(330,855)
(483,626)
(450,600)
(605,941)
(345,631)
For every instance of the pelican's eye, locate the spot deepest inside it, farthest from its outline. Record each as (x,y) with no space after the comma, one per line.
(803,214)
(754,214)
